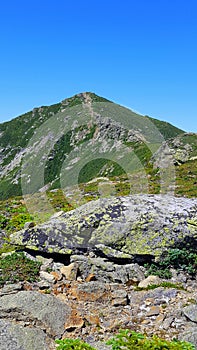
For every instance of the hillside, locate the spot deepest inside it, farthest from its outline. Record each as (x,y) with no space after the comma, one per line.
(91,121)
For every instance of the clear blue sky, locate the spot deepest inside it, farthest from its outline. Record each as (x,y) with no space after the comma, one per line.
(141,54)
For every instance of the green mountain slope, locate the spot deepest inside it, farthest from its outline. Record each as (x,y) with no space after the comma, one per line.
(93,137)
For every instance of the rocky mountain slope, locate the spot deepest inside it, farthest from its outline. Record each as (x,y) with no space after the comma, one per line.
(90,136)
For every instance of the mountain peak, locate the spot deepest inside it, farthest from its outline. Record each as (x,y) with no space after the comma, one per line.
(114,128)
(83,97)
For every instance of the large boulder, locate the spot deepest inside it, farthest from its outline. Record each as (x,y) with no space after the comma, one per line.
(118,226)
(28,316)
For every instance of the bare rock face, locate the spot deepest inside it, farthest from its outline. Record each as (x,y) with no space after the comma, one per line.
(13,336)
(28,315)
(120,227)
(191,312)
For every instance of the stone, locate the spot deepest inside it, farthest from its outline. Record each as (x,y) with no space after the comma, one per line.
(190,312)
(15,337)
(57,275)
(134,225)
(91,291)
(74,320)
(90,277)
(153,311)
(46,263)
(70,271)
(106,270)
(29,224)
(43,284)
(149,281)
(119,302)
(119,297)
(11,288)
(3,255)
(167,322)
(47,276)
(190,335)
(159,319)
(92,319)
(41,310)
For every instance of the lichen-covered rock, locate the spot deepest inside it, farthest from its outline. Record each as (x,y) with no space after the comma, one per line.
(120,227)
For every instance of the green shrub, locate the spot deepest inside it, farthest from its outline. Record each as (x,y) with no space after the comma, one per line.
(162,284)
(17,267)
(177,258)
(130,340)
(70,344)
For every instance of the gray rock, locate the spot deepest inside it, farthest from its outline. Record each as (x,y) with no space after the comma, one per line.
(16,337)
(189,335)
(29,224)
(190,312)
(47,276)
(133,225)
(41,310)
(105,270)
(149,281)
(11,288)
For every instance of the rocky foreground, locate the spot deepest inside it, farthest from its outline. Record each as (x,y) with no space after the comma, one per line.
(92,278)
(67,303)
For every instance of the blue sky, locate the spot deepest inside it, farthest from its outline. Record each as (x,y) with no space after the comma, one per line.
(141,54)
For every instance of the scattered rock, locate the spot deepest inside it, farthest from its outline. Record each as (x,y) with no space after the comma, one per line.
(149,281)
(153,311)
(190,312)
(47,276)
(70,271)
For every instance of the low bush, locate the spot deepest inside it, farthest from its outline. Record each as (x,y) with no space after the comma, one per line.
(130,340)
(70,344)
(181,259)
(17,267)
(162,284)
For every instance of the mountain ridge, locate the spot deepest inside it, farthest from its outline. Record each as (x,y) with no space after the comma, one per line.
(139,133)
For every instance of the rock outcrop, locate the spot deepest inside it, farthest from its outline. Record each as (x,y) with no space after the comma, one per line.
(119,227)
(30,315)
